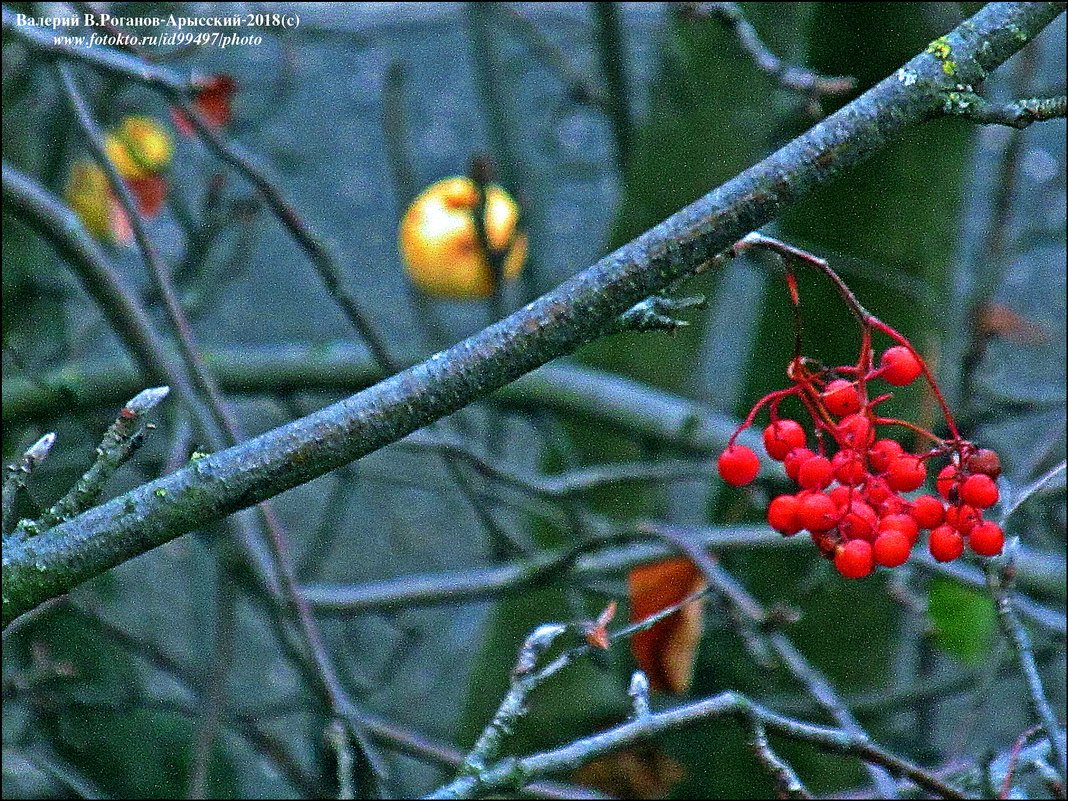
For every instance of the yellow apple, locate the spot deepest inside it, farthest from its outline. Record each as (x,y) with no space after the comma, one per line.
(439,241)
(140,146)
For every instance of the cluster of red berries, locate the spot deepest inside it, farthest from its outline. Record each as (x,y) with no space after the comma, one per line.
(851,488)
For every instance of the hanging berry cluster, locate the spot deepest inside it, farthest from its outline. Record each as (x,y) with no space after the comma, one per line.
(852,477)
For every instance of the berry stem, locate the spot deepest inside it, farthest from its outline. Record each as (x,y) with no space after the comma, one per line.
(864,362)
(775,397)
(891,332)
(923,432)
(819,416)
(795,308)
(867,319)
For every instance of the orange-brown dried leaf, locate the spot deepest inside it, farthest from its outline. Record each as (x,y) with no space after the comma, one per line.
(638,772)
(214,101)
(998,320)
(149,192)
(666,651)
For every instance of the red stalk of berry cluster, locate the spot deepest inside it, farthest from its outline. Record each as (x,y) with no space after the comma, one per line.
(853,488)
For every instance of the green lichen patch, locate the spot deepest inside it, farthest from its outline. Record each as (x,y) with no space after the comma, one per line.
(941,49)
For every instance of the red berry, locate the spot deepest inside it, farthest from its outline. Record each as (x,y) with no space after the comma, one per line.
(891,548)
(818,512)
(849,468)
(946,544)
(987,539)
(877,490)
(783,436)
(903,523)
(855,431)
(815,473)
(858,522)
(855,559)
(794,459)
(905,473)
(782,515)
(947,481)
(842,496)
(840,398)
(899,366)
(979,490)
(963,518)
(882,453)
(738,465)
(894,505)
(984,461)
(928,511)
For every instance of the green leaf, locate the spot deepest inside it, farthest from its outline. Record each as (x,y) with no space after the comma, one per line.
(964,620)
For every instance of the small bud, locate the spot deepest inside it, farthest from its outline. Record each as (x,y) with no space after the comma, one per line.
(36,453)
(536,644)
(147,399)
(639,693)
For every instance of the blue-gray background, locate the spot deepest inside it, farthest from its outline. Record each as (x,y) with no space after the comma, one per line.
(323,106)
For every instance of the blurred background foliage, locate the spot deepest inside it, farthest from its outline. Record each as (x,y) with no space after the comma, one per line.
(356,110)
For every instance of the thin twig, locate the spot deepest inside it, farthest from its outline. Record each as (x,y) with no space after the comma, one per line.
(177,92)
(612,53)
(492,94)
(59,226)
(1022,495)
(120,441)
(17,473)
(104,59)
(338,737)
(787,782)
(513,773)
(580,86)
(1014,755)
(576,564)
(247,726)
(797,79)
(970,576)
(561,485)
(752,617)
(524,679)
(1000,578)
(213,689)
(157,271)
(318,250)
(1017,114)
(28,201)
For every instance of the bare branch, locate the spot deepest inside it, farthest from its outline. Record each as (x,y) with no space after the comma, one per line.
(120,442)
(786,780)
(514,773)
(797,79)
(1017,114)
(1000,574)
(16,474)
